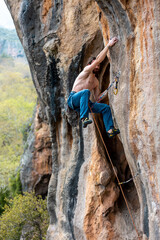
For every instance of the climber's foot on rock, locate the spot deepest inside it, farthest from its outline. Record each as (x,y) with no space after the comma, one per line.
(86,121)
(113,132)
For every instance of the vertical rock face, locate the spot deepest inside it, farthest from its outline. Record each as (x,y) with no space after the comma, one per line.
(36,163)
(84,199)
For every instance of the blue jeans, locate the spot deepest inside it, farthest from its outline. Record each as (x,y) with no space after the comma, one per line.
(79,101)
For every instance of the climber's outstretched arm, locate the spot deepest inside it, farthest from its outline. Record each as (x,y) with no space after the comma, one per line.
(101,56)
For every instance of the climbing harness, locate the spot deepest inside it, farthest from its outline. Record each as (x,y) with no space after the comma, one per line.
(115,91)
(114,170)
(129,179)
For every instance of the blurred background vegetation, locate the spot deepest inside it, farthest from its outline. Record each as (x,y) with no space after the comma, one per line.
(17,100)
(21,214)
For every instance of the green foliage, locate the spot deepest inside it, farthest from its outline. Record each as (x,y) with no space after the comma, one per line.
(4,195)
(24,212)
(15,185)
(14,188)
(17,100)
(4,55)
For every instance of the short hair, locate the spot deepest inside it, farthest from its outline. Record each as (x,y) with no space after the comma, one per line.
(91,60)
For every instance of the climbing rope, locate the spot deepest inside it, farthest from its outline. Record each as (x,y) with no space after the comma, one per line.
(115,173)
(117,77)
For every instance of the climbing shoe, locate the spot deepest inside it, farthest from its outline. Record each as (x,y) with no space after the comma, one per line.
(113,133)
(86,121)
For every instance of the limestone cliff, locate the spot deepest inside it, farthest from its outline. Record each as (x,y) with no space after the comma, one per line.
(36,162)
(58,37)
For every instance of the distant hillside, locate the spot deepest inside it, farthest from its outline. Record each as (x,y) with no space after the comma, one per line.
(10,44)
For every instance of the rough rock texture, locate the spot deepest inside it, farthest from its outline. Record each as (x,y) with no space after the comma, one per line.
(36,163)
(84,199)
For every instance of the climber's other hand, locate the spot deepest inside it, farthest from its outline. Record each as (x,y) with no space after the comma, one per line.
(112,42)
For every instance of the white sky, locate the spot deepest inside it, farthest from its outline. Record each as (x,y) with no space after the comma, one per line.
(5,16)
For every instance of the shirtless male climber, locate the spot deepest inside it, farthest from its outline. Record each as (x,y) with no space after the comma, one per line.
(85,83)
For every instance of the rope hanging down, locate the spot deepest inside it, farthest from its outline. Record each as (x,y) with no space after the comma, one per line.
(115,174)
(116,79)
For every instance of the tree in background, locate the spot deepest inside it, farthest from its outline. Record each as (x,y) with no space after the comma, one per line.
(27,216)
(9,192)
(4,195)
